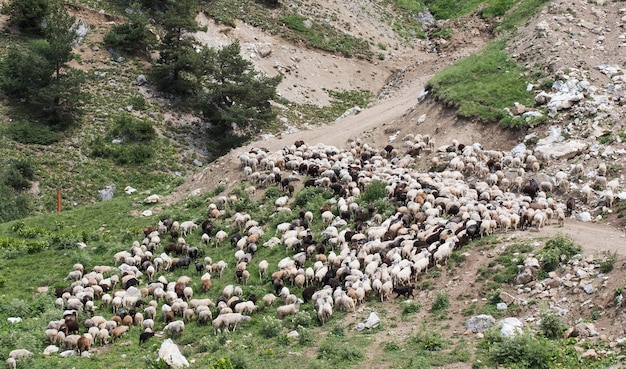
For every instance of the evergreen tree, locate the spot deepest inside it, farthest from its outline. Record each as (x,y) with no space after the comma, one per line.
(28,15)
(40,75)
(176,66)
(234,96)
(132,36)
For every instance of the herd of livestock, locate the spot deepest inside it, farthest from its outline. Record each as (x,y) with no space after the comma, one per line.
(361,252)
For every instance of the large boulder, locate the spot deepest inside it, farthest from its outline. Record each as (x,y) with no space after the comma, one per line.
(510,327)
(170,353)
(480,323)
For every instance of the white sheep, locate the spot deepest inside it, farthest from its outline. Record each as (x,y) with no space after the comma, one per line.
(269,299)
(20,353)
(224,322)
(175,328)
(220,236)
(290,309)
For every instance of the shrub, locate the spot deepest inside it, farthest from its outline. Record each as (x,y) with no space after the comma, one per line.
(410,308)
(524,351)
(138,102)
(305,337)
(338,352)
(30,133)
(302,319)
(430,341)
(441,301)
(131,36)
(222,363)
(270,327)
(559,248)
(607,265)
(375,191)
(131,129)
(551,325)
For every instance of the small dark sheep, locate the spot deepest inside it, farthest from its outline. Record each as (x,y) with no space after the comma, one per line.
(144,336)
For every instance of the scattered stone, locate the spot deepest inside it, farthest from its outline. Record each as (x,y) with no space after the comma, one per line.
(501,306)
(141,80)
(590,354)
(584,217)
(293,334)
(373,321)
(589,289)
(107,193)
(67,353)
(480,323)
(506,298)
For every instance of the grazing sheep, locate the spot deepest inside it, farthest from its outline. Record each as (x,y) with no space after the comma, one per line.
(11,363)
(175,328)
(19,353)
(290,309)
(263,266)
(324,312)
(117,332)
(144,336)
(224,322)
(83,344)
(204,316)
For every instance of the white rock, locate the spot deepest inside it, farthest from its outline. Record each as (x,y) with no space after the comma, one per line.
(372,321)
(51,349)
(584,217)
(129,190)
(510,327)
(170,353)
(67,353)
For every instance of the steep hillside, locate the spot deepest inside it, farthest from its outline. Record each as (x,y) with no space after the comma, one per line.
(579,42)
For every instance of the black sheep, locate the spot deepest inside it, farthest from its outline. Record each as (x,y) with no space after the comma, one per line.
(144,336)
(405,291)
(307,293)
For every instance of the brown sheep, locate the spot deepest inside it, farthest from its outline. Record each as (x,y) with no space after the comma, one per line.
(127,320)
(84,344)
(117,332)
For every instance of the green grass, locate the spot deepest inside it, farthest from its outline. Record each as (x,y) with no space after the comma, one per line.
(482,85)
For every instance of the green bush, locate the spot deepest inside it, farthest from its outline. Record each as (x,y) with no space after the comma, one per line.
(374,191)
(30,133)
(13,206)
(132,36)
(410,308)
(302,319)
(557,249)
(441,301)
(607,265)
(270,327)
(551,326)
(523,351)
(138,102)
(339,352)
(122,154)
(131,129)
(430,341)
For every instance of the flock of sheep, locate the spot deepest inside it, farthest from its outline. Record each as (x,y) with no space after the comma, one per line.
(360,253)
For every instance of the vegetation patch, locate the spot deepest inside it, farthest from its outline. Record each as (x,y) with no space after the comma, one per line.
(482,85)
(558,249)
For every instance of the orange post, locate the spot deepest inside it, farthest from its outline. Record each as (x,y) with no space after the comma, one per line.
(59,201)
